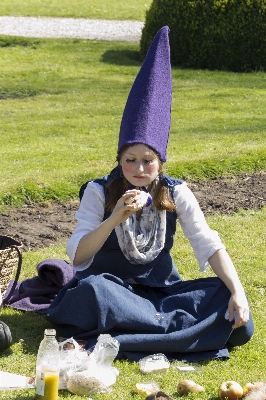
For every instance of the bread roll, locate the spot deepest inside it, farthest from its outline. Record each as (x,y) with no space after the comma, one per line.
(139,201)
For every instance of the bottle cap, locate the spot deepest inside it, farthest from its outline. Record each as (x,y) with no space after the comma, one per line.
(50,332)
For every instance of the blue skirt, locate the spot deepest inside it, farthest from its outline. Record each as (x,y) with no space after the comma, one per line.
(185,321)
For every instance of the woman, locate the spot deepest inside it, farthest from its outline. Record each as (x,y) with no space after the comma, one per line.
(126,283)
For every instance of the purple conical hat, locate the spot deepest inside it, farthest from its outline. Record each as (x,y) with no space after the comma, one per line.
(147,114)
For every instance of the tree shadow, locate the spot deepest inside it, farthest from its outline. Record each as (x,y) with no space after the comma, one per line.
(121,57)
(14,41)
(17,93)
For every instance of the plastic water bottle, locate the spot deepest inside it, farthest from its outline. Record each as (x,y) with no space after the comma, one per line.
(105,350)
(47,367)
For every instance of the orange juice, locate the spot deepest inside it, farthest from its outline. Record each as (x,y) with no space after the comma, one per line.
(51,382)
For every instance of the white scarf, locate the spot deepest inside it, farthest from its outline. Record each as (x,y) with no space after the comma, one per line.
(141,241)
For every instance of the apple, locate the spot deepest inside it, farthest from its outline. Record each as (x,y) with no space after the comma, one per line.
(230,390)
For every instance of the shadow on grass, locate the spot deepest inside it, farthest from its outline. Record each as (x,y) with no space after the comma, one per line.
(10,41)
(179,396)
(30,394)
(26,327)
(121,57)
(17,93)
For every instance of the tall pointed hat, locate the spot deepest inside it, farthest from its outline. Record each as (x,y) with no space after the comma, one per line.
(147,114)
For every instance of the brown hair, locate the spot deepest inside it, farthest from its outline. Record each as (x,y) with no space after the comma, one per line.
(162,199)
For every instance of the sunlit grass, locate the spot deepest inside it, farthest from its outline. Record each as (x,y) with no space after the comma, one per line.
(242,234)
(99,9)
(62,103)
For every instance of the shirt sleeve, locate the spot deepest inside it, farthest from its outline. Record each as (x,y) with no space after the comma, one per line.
(89,216)
(204,241)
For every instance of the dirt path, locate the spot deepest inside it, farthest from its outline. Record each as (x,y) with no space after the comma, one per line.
(78,28)
(48,224)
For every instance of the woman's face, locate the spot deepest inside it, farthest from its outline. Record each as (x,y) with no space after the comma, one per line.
(140,165)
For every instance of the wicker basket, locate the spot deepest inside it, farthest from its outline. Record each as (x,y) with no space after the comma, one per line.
(10,260)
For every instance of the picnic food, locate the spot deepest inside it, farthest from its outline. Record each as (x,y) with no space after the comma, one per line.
(82,384)
(230,390)
(147,388)
(129,200)
(248,387)
(187,386)
(139,201)
(255,390)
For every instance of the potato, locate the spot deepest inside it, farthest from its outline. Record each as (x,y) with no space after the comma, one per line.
(187,386)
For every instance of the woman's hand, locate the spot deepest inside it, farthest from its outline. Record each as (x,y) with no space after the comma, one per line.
(91,242)
(238,309)
(238,305)
(122,211)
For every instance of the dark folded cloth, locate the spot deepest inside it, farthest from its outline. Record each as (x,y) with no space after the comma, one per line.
(37,293)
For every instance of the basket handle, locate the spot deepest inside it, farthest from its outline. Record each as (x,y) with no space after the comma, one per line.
(6,299)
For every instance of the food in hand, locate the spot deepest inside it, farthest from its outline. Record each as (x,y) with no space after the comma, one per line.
(187,386)
(230,390)
(129,200)
(139,201)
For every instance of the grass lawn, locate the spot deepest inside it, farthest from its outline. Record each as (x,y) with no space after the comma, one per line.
(61,103)
(242,234)
(100,9)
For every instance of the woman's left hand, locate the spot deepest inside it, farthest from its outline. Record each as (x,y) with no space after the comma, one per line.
(238,309)
(238,305)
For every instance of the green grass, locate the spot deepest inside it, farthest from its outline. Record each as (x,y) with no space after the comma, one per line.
(242,234)
(100,9)
(61,103)
(61,107)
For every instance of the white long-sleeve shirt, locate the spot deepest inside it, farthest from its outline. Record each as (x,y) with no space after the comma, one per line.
(204,241)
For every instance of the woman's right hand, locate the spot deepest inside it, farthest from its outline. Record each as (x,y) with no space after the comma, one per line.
(91,242)
(122,211)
